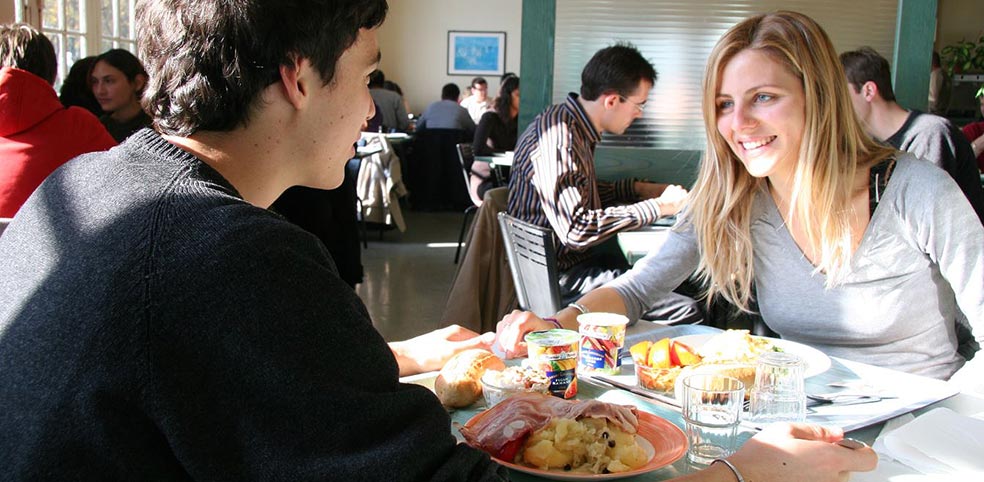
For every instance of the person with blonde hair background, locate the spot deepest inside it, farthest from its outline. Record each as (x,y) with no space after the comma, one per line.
(847,245)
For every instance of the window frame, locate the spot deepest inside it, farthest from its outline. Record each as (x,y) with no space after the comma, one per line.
(90,29)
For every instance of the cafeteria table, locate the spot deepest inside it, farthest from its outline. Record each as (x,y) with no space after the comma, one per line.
(966,404)
(637,243)
(501,164)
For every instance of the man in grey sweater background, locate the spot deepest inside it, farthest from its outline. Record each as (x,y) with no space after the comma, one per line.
(927,136)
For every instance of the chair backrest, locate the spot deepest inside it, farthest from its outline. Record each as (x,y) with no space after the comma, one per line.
(3,224)
(532,257)
(466,157)
(433,171)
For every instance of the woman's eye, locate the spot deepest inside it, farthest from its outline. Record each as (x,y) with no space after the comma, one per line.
(725,104)
(764,97)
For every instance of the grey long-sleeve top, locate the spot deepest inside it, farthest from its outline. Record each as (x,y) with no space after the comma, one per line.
(920,263)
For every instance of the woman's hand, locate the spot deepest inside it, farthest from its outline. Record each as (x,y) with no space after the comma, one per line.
(509,333)
(430,351)
(784,452)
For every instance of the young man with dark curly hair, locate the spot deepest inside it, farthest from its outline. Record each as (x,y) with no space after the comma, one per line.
(157,322)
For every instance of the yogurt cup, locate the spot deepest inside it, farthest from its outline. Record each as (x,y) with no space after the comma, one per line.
(554,353)
(602,338)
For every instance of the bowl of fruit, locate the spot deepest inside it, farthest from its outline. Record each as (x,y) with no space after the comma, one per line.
(658,364)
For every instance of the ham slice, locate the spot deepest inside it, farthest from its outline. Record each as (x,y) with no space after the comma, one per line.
(515,418)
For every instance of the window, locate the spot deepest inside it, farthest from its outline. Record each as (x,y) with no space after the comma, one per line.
(677,36)
(116,25)
(80,28)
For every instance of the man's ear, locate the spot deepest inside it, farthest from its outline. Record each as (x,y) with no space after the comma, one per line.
(611,100)
(296,81)
(868,90)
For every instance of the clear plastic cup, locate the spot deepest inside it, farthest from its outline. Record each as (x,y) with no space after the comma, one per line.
(778,394)
(712,406)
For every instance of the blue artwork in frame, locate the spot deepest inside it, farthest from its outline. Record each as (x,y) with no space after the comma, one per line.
(476,53)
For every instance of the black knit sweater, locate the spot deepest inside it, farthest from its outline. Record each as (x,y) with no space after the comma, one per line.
(155,326)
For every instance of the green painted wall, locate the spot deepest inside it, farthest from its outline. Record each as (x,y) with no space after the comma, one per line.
(914,34)
(537,62)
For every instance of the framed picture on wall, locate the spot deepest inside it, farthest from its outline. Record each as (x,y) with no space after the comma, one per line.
(476,53)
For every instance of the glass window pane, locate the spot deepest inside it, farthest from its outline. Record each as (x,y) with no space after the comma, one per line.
(677,36)
(106,19)
(74,49)
(124,12)
(50,15)
(105,45)
(73,15)
(56,41)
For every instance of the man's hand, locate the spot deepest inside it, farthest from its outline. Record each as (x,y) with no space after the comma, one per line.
(648,190)
(784,452)
(430,351)
(669,196)
(514,327)
(672,200)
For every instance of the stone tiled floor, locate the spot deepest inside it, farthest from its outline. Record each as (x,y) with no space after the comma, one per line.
(408,275)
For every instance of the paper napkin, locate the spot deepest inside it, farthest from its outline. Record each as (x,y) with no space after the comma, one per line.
(940,441)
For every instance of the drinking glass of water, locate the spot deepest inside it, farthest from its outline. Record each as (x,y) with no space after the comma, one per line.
(712,406)
(778,394)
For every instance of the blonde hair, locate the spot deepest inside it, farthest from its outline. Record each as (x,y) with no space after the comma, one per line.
(833,149)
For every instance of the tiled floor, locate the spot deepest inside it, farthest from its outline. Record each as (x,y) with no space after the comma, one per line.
(408,275)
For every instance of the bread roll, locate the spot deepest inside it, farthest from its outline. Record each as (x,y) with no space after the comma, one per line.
(459,382)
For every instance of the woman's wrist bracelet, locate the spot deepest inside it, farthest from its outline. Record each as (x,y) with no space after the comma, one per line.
(579,307)
(555,322)
(731,466)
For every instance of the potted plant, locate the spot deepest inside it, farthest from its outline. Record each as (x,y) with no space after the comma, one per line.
(963,57)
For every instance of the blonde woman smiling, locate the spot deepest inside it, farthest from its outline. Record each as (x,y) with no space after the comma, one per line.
(851,247)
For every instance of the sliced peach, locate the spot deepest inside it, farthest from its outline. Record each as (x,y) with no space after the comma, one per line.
(682,355)
(659,354)
(640,351)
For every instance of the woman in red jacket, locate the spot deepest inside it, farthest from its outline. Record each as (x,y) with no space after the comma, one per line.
(37,133)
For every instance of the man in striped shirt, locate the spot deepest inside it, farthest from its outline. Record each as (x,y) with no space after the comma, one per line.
(554,184)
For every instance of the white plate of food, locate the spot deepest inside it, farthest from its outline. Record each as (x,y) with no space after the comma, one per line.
(816,361)
(662,444)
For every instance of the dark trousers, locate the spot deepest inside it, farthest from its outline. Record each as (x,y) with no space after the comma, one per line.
(604,266)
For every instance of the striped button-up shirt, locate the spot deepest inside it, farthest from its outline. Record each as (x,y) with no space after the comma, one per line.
(553,184)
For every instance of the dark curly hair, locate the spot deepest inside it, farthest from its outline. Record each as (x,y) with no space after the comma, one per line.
(209,61)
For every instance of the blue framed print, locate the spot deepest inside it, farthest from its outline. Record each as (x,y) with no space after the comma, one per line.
(476,53)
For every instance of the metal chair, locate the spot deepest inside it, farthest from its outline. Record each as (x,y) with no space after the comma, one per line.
(532,257)
(466,157)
